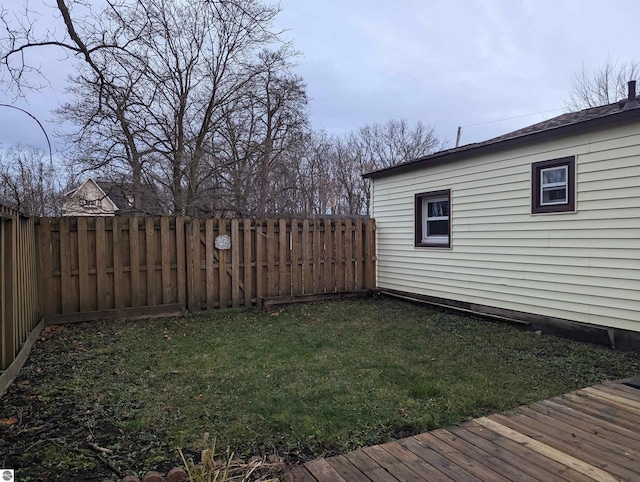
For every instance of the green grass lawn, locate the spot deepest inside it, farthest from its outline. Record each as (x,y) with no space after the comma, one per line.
(305,381)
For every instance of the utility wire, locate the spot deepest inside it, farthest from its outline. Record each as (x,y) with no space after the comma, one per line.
(459,133)
(39,123)
(509,118)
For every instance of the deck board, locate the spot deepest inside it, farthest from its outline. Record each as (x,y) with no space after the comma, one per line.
(369,467)
(587,435)
(517,459)
(475,466)
(560,446)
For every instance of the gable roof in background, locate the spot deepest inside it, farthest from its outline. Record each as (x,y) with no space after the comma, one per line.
(624,112)
(89,180)
(122,195)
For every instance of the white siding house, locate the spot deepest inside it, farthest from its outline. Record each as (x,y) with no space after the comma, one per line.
(88,200)
(493,228)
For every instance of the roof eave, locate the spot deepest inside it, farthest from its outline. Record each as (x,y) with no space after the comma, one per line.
(621,117)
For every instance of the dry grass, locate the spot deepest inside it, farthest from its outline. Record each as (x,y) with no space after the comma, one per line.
(306,381)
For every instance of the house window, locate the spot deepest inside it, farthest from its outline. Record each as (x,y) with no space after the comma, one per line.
(91,203)
(553,186)
(433,220)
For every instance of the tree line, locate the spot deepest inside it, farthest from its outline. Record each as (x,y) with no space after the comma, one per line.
(195,104)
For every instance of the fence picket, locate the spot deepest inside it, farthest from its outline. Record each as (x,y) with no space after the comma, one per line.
(83,265)
(370,255)
(283,247)
(307,259)
(209,265)
(134,261)
(235,263)
(260,259)
(222,266)
(273,257)
(101,264)
(247,261)
(150,261)
(181,263)
(328,255)
(7,316)
(45,268)
(196,285)
(118,254)
(165,251)
(318,284)
(272,288)
(349,272)
(339,256)
(296,262)
(359,267)
(65,266)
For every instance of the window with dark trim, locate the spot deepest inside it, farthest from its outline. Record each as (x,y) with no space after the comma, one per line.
(433,219)
(553,186)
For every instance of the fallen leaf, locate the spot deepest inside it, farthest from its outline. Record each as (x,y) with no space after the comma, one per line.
(8,421)
(168,408)
(198,397)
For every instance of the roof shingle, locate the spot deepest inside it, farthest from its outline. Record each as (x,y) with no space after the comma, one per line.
(562,124)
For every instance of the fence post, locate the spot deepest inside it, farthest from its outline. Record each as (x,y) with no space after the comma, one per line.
(370,250)
(188,236)
(6,286)
(181,248)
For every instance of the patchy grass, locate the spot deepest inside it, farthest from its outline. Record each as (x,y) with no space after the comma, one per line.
(306,381)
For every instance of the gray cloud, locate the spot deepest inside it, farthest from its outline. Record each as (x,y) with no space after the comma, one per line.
(444,62)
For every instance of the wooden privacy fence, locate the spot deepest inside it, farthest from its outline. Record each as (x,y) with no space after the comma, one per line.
(98,264)
(18,283)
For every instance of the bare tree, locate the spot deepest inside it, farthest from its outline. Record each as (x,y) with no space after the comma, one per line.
(29,181)
(280,100)
(314,188)
(602,86)
(373,147)
(154,81)
(253,149)
(190,97)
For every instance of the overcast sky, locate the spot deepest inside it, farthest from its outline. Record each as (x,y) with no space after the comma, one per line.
(447,63)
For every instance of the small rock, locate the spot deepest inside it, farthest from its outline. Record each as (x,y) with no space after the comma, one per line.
(153,476)
(539,332)
(130,478)
(274,459)
(177,474)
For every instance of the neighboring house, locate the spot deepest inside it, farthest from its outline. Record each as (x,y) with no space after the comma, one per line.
(88,200)
(106,198)
(541,225)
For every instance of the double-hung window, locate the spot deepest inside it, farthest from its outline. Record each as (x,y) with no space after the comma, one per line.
(553,186)
(433,220)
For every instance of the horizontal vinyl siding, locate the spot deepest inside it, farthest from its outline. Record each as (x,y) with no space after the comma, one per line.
(582,266)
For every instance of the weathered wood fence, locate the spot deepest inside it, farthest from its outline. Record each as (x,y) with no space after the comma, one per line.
(99,264)
(18,283)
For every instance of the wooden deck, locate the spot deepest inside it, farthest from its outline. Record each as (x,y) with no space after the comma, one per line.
(591,434)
